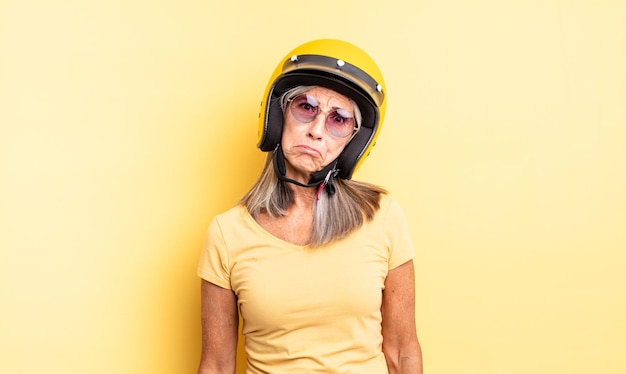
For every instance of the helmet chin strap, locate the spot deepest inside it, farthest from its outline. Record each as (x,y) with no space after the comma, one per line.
(323,179)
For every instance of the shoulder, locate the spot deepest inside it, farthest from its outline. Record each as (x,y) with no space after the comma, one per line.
(388,215)
(236,229)
(235,214)
(229,222)
(389,207)
(386,200)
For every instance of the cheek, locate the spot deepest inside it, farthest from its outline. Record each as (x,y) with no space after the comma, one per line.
(333,150)
(286,136)
(290,132)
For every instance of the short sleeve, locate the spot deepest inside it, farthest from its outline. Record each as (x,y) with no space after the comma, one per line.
(399,240)
(214,264)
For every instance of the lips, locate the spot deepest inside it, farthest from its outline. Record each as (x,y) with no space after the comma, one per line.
(309,150)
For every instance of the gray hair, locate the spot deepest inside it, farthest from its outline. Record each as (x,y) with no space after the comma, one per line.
(335,216)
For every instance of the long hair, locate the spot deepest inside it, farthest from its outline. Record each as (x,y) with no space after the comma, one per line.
(334,217)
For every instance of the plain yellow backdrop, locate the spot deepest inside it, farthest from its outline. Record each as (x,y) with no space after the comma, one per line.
(125,126)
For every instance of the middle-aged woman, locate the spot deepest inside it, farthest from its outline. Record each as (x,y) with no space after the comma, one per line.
(319,265)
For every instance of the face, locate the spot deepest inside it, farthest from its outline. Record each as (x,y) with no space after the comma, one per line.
(318,125)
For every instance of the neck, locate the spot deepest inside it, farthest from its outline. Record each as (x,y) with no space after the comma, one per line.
(303,196)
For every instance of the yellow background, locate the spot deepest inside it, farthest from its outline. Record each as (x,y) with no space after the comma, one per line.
(126,125)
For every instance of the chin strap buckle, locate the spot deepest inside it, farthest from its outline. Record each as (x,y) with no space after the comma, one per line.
(331,173)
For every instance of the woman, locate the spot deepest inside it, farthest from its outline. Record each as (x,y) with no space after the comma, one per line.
(319,266)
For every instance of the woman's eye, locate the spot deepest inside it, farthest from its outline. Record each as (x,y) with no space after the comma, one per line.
(339,119)
(307,107)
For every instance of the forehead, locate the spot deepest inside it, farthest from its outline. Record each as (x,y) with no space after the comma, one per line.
(329,98)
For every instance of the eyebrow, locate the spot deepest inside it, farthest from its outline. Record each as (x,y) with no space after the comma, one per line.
(343,112)
(313,101)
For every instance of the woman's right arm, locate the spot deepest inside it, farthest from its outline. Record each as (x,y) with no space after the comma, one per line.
(220,328)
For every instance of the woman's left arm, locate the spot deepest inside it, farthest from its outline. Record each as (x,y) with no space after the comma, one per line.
(400,345)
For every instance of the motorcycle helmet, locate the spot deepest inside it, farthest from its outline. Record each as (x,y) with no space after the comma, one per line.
(337,65)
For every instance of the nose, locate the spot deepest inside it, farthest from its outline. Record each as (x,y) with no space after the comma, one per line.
(317,127)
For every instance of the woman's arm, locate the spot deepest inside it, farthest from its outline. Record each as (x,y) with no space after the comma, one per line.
(400,345)
(220,328)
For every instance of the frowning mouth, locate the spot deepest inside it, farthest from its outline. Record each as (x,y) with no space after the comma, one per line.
(309,150)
